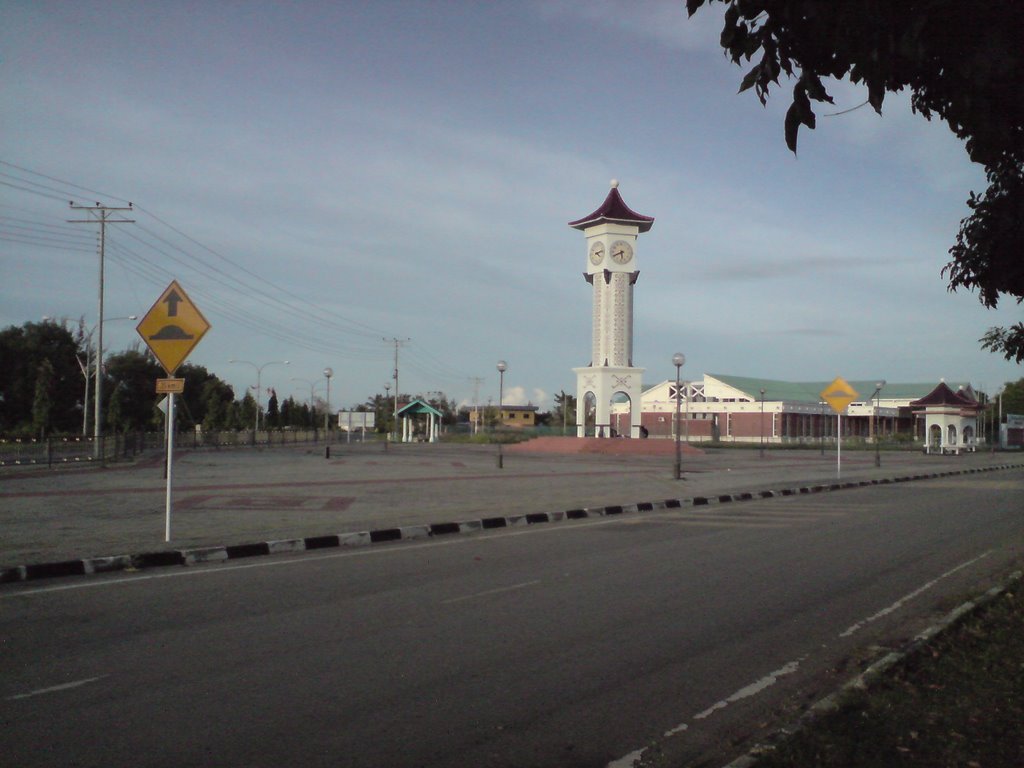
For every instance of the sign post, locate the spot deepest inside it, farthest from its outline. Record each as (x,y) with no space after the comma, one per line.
(171,329)
(839,395)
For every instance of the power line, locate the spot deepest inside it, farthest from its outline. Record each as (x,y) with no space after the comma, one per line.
(100,214)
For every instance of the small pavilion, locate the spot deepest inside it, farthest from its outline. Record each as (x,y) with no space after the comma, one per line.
(412,417)
(950,420)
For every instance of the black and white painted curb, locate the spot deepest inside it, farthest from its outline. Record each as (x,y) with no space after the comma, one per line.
(95,565)
(873,673)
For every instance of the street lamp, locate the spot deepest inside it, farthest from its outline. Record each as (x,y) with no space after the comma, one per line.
(328,372)
(85,373)
(502,367)
(762,422)
(678,360)
(259,374)
(387,395)
(874,419)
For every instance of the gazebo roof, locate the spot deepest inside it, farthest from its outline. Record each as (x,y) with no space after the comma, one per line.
(614,209)
(418,407)
(943,395)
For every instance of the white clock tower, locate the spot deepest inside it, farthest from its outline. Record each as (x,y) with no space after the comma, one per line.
(611,232)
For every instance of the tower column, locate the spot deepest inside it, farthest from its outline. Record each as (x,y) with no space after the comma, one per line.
(611,269)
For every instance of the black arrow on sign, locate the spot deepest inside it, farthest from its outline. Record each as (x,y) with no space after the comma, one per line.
(172,301)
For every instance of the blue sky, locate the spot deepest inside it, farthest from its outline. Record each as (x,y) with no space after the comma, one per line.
(322,176)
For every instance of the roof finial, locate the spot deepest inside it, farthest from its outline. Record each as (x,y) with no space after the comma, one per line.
(615,183)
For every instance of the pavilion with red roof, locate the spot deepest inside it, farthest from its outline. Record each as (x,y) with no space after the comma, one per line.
(951,419)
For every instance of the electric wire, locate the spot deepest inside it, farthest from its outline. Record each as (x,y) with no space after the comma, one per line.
(305,325)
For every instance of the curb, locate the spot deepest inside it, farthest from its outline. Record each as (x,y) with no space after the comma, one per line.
(215,554)
(865,679)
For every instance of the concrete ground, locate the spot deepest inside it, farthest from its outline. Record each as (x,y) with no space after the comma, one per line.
(248,495)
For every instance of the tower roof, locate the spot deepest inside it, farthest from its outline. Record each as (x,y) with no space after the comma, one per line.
(943,395)
(614,209)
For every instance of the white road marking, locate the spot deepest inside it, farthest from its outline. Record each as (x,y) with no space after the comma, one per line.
(487,592)
(906,598)
(751,690)
(630,760)
(55,688)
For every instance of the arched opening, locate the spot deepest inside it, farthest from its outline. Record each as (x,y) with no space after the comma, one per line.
(935,437)
(589,415)
(621,415)
(968,435)
(951,435)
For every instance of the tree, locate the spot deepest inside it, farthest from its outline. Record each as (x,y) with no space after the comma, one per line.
(383,409)
(216,397)
(247,412)
(42,403)
(1013,397)
(564,412)
(273,411)
(130,382)
(23,350)
(961,61)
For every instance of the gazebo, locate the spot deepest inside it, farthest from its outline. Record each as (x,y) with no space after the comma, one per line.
(416,410)
(950,420)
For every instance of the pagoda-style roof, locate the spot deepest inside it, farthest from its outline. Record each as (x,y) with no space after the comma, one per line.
(416,408)
(614,210)
(943,395)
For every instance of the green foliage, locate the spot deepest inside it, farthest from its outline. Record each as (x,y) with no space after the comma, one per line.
(246,416)
(564,411)
(383,408)
(216,398)
(22,350)
(42,403)
(1013,397)
(273,411)
(1008,341)
(961,61)
(130,386)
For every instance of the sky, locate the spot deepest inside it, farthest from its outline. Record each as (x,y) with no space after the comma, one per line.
(325,178)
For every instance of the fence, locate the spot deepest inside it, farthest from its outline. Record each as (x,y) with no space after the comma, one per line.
(56,451)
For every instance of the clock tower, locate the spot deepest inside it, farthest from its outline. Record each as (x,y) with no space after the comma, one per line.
(611,233)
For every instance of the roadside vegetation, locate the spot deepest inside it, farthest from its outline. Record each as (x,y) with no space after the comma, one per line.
(958,701)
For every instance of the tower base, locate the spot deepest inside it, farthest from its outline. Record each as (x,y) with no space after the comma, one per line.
(603,384)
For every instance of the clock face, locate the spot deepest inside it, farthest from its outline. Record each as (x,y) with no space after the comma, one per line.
(597,253)
(622,252)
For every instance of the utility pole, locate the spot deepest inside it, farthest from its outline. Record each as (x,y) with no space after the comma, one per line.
(398,343)
(477,381)
(99,214)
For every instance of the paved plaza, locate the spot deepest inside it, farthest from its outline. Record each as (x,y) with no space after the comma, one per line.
(240,496)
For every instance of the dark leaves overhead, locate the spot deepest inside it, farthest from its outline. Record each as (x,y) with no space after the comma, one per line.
(961,61)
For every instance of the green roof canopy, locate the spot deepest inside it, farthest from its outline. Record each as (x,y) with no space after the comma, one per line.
(418,408)
(810,391)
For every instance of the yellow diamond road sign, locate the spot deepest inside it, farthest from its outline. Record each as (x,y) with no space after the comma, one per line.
(839,394)
(172,327)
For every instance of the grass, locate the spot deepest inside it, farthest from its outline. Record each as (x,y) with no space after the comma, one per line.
(957,701)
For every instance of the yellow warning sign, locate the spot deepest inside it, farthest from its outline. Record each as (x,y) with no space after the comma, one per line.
(172,327)
(839,395)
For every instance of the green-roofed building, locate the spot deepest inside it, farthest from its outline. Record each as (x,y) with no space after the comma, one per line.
(746,409)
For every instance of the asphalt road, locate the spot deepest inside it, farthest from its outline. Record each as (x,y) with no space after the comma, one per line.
(683,632)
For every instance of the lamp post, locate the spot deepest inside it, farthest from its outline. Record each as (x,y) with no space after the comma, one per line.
(328,373)
(874,418)
(387,396)
(259,374)
(502,367)
(678,360)
(762,422)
